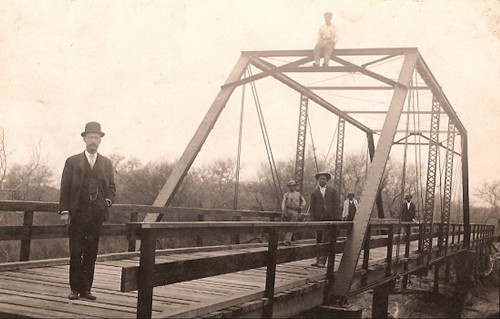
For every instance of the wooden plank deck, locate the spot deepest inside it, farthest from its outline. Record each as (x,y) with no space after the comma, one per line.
(42,292)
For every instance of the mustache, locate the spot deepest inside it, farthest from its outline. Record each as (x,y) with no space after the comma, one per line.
(93,144)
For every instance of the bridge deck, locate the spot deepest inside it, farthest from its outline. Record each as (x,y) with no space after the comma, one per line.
(42,292)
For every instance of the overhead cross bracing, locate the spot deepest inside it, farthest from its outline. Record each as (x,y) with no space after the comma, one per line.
(391,80)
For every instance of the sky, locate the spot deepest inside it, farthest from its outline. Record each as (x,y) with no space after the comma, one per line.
(149,70)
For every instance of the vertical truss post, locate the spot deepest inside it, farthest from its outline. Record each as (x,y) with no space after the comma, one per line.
(445,214)
(431,179)
(465,189)
(371,151)
(339,157)
(301,142)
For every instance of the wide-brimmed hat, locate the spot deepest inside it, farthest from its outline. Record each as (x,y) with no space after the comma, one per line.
(291,183)
(328,175)
(92,127)
(408,196)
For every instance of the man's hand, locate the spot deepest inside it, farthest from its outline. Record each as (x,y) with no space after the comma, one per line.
(66,218)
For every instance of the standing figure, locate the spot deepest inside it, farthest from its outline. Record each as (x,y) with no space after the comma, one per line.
(350,207)
(327,38)
(408,212)
(291,207)
(87,190)
(324,206)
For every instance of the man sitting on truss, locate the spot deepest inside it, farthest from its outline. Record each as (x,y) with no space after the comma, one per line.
(327,38)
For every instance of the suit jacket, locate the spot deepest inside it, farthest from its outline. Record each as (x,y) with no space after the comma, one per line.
(325,208)
(408,213)
(72,182)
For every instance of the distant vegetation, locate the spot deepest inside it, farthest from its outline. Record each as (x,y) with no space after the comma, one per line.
(212,186)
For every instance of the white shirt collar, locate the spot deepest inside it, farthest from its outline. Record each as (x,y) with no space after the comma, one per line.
(87,155)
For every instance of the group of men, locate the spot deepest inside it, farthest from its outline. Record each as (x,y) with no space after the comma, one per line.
(324,206)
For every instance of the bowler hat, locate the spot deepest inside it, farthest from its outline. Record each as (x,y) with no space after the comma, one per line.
(328,175)
(291,183)
(93,127)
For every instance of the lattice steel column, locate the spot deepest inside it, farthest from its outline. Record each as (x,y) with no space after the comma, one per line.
(301,142)
(339,157)
(431,178)
(448,177)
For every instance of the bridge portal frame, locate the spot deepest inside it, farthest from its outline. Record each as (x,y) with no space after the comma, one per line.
(412,61)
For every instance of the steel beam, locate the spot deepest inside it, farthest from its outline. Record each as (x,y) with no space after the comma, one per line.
(448,179)
(264,65)
(371,152)
(465,189)
(430,188)
(263,74)
(356,237)
(361,88)
(301,142)
(316,69)
(339,157)
(429,79)
(186,160)
(341,52)
(371,74)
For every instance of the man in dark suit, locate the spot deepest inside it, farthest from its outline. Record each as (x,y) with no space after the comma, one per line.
(324,206)
(408,213)
(87,190)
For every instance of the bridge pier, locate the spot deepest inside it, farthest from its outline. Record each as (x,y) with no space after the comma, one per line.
(380,302)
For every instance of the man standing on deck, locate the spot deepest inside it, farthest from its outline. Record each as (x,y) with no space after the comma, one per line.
(87,190)
(324,207)
(292,205)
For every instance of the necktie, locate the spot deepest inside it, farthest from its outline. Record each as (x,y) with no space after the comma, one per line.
(92,160)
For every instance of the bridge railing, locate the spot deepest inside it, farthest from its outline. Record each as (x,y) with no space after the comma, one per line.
(29,231)
(150,274)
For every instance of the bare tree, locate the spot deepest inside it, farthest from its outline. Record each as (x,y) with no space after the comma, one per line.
(3,158)
(489,193)
(27,181)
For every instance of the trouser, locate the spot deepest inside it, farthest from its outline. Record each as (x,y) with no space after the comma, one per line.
(325,48)
(321,237)
(83,246)
(290,216)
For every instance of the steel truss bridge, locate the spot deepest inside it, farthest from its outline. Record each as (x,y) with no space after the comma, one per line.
(266,279)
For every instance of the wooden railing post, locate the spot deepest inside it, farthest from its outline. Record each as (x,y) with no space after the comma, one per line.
(131,243)
(272,256)
(330,266)
(146,275)
(366,257)
(199,239)
(390,240)
(404,283)
(236,237)
(24,253)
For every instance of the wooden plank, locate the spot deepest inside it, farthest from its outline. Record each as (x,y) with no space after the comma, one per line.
(190,269)
(52,231)
(22,311)
(77,307)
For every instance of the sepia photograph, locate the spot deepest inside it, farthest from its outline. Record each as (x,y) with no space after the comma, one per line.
(249,159)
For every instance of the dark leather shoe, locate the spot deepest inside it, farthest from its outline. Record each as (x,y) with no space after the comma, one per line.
(73,296)
(88,296)
(318,265)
